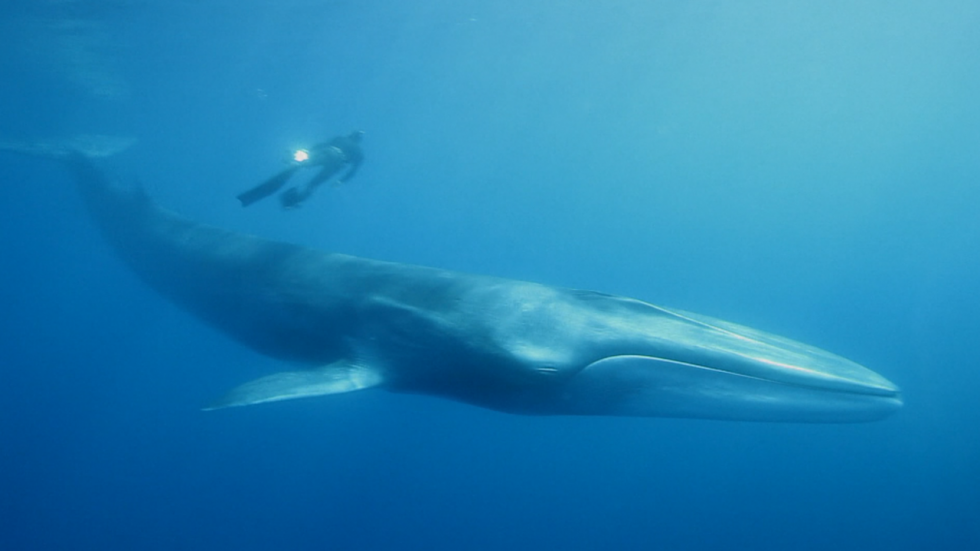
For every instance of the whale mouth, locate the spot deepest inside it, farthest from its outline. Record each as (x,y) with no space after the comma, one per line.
(649,386)
(702,367)
(749,352)
(806,390)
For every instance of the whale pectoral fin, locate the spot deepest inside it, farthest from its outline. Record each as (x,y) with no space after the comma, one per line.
(336,378)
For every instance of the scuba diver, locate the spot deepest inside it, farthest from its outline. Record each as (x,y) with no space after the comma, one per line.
(330,156)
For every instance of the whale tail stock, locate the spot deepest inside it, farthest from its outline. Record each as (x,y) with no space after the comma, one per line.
(88,145)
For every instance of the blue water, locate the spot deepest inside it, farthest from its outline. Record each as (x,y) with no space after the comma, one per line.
(807,168)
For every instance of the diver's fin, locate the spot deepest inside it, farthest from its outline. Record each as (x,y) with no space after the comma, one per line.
(335,378)
(267,187)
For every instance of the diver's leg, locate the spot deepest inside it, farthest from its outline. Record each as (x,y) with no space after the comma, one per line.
(267,187)
(292,197)
(321,177)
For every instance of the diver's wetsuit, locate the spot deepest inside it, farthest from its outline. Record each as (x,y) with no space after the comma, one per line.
(330,156)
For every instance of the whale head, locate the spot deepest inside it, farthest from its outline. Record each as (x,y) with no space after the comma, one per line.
(676,364)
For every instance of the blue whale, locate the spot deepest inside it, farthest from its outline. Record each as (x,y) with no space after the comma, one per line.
(344,323)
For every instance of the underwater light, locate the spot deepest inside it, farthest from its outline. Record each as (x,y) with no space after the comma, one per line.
(301,155)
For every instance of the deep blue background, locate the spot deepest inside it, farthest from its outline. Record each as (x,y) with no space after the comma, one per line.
(807,168)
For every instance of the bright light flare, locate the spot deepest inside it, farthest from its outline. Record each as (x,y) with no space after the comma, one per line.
(301,155)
